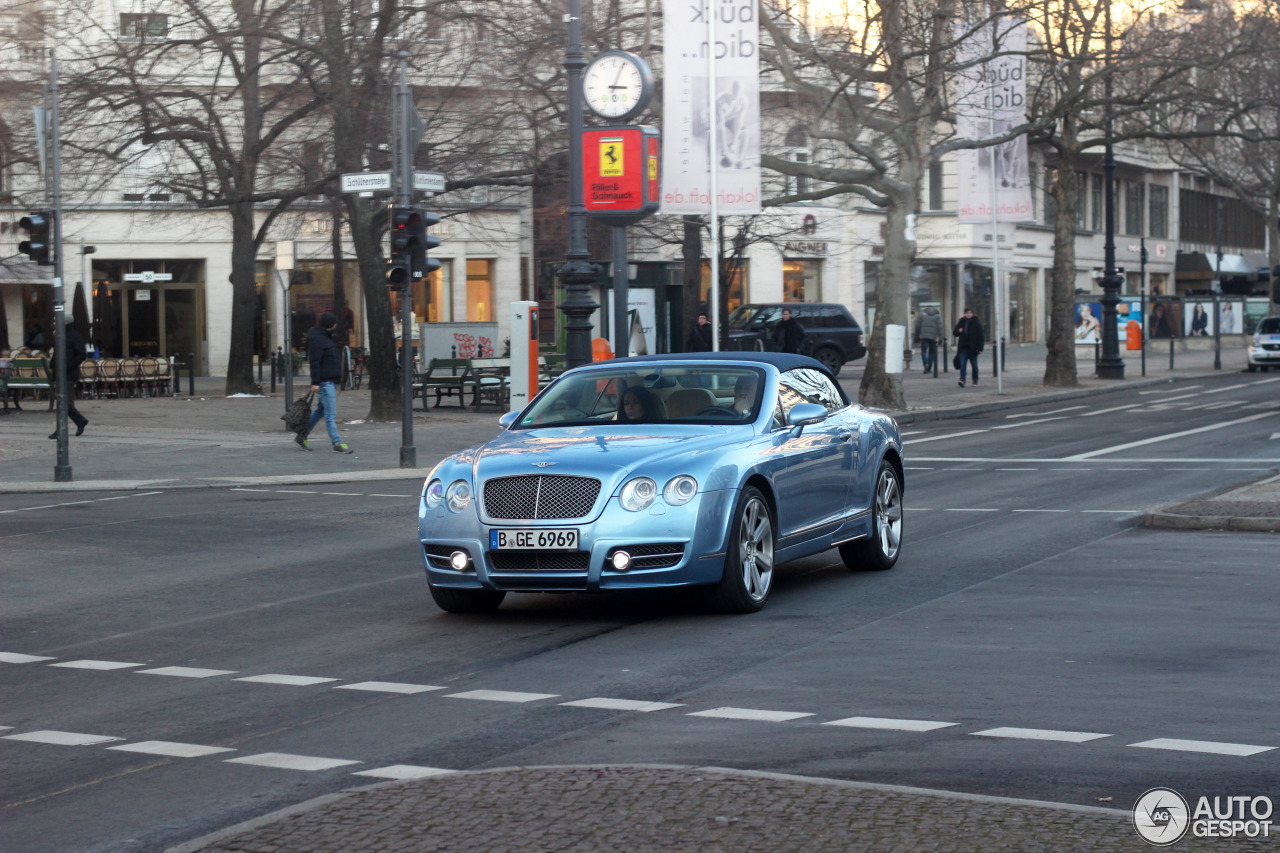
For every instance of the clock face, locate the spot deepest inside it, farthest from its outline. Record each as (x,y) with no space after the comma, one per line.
(614,85)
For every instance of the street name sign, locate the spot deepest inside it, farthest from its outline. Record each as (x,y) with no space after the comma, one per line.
(428,182)
(363,182)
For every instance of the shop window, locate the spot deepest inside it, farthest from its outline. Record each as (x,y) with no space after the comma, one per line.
(480,308)
(1133,202)
(935,186)
(801,281)
(1158,211)
(734,279)
(145,26)
(797,151)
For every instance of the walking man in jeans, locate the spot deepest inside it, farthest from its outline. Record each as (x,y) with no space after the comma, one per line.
(929,331)
(969,343)
(326,372)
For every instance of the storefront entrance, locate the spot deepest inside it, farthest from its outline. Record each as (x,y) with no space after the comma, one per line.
(157,311)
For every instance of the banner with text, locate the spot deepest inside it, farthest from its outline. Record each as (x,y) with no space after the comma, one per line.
(991,98)
(686,123)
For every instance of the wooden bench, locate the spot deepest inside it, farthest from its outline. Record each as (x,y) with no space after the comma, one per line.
(491,380)
(29,374)
(445,377)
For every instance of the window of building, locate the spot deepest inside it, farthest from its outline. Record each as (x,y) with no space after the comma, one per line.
(1082,199)
(1133,203)
(801,281)
(935,186)
(144,26)
(480,307)
(1158,213)
(734,278)
(1095,203)
(797,151)
(145,167)
(432,297)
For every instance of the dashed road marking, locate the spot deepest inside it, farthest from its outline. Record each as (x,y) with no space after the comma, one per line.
(1054,412)
(1017,469)
(750,714)
(291,680)
(103,665)
(286,761)
(1168,436)
(404,771)
(1040,734)
(1213,747)
(622,705)
(389,687)
(1029,423)
(1042,510)
(14,657)
(1166,390)
(373,495)
(76,503)
(501,696)
(1112,409)
(171,749)
(941,437)
(890,724)
(1113,511)
(968,509)
(186,672)
(62,738)
(345,494)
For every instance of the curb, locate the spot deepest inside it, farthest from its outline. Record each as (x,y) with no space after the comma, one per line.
(1173,521)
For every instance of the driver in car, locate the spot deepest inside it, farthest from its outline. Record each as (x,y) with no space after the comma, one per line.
(744,394)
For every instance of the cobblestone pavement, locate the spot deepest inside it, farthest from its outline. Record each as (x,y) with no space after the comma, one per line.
(641,809)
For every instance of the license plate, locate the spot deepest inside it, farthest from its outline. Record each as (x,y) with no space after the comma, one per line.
(564,539)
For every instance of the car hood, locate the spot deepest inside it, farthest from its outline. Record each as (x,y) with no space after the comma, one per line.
(606,453)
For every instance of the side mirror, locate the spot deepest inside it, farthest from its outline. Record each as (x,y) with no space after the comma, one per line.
(508,420)
(804,414)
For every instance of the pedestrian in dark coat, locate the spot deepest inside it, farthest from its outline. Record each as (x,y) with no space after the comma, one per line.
(70,365)
(788,334)
(326,373)
(929,331)
(699,337)
(969,343)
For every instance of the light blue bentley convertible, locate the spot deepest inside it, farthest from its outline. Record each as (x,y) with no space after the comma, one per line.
(701,471)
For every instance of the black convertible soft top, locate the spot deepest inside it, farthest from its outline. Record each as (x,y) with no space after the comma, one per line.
(780,360)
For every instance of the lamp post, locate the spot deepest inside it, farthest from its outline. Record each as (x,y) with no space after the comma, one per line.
(577,273)
(1111,365)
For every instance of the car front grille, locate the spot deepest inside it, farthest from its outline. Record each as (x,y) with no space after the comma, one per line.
(1271,347)
(540,561)
(540,496)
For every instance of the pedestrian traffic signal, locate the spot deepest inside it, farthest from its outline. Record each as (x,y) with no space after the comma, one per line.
(423,266)
(406,228)
(39,228)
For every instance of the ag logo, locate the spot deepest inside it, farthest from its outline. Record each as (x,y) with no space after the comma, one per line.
(1161,816)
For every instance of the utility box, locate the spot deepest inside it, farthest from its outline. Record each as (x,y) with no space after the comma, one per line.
(524,354)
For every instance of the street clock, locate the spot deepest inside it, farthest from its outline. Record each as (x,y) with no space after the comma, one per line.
(617,85)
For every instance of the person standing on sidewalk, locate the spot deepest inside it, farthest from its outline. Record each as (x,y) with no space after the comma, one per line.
(789,334)
(699,338)
(929,331)
(969,344)
(326,372)
(71,365)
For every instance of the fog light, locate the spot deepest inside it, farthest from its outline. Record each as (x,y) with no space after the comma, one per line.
(621,560)
(459,560)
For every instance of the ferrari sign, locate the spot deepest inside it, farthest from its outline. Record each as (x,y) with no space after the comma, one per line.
(620,173)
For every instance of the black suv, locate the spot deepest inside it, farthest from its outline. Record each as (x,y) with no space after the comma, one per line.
(832,336)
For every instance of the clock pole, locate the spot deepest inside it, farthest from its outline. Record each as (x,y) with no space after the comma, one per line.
(577,273)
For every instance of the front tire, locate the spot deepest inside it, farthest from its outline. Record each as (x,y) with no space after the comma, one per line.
(748,565)
(830,358)
(466,600)
(880,551)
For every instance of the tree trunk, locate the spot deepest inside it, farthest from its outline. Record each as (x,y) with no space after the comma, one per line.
(343,337)
(691,254)
(384,404)
(244,300)
(881,390)
(1273,257)
(1060,363)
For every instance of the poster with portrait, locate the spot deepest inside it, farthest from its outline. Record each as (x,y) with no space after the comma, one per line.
(1164,320)
(1088,322)
(1198,318)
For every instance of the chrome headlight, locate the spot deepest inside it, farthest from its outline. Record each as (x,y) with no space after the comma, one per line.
(638,494)
(458,495)
(433,494)
(680,490)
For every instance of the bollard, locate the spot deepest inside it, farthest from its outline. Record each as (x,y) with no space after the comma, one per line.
(1002,354)
(935,359)
(177,377)
(1171,353)
(273,372)
(191,374)
(945,358)
(259,368)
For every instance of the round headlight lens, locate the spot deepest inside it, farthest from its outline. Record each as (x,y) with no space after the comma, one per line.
(433,494)
(458,495)
(638,494)
(680,490)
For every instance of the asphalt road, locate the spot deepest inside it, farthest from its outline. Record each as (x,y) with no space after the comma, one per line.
(1032,642)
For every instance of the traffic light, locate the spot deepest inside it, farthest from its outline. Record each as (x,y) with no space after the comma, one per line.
(422,265)
(406,230)
(39,228)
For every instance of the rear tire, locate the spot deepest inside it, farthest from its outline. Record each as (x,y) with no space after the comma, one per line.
(748,562)
(880,551)
(830,358)
(466,600)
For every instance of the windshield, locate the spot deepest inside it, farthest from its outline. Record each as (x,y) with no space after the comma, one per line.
(752,315)
(649,395)
(1269,326)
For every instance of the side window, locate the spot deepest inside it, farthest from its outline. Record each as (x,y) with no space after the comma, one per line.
(805,385)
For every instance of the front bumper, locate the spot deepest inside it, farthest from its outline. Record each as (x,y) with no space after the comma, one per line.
(1260,356)
(699,529)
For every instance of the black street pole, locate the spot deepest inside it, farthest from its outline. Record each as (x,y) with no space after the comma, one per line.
(1111,365)
(404,198)
(1142,265)
(1217,297)
(64,388)
(577,274)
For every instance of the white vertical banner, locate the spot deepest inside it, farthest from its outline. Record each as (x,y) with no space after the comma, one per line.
(687,117)
(991,97)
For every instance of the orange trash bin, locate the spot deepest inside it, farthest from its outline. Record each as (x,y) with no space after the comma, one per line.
(600,349)
(1133,335)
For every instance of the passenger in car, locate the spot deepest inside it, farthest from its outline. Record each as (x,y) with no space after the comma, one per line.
(639,405)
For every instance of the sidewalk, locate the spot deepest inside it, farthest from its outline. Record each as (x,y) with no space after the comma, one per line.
(211,440)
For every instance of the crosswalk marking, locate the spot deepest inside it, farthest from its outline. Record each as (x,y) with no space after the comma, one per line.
(171,749)
(890,724)
(750,714)
(1040,734)
(286,761)
(186,672)
(103,665)
(622,705)
(403,771)
(14,657)
(1241,749)
(501,696)
(389,687)
(291,680)
(57,738)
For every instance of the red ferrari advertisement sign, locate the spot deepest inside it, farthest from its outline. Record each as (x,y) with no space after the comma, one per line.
(620,173)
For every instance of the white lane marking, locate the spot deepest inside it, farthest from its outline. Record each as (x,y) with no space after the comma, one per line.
(1029,423)
(918,509)
(1128,469)
(291,680)
(285,761)
(186,672)
(62,738)
(1112,409)
(890,724)
(912,432)
(622,705)
(73,503)
(1042,510)
(1155,439)
(1120,511)
(1275,435)
(345,494)
(1152,460)
(1166,390)
(1214,407)
(941,437)
(238,489)
(171,749)
(1037,414)
(14,657)
(1164,401)
(1209,746)
(910,468)
(501,696)
(103,665)
(6,728)
(750,714)
(294,492)
(969,509)
(404,771)
(1040,734)
(1229,388)
(389,687)
(1017,469)
(373,495)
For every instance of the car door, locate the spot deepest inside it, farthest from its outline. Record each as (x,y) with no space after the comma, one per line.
(813,486)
